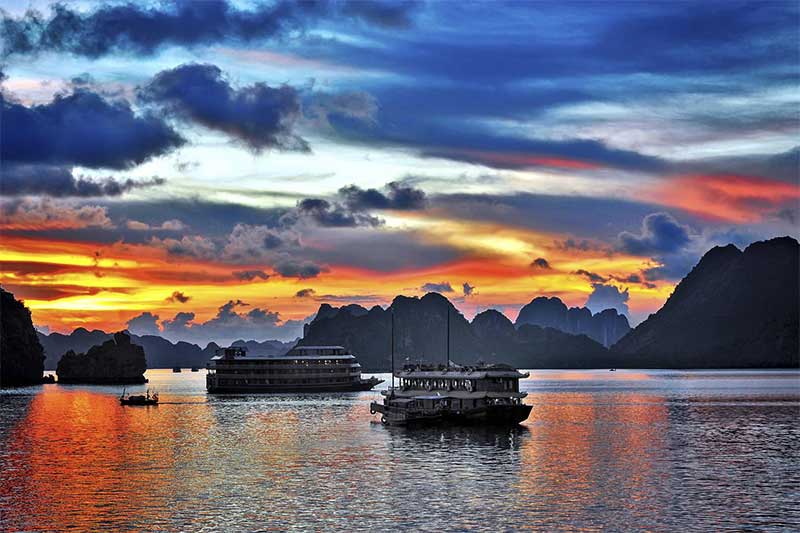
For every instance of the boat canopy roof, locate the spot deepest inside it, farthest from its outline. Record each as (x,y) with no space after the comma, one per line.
(463,373)
(409,395)
(283,357)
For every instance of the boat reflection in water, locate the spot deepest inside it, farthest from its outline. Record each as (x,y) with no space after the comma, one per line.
(484,394)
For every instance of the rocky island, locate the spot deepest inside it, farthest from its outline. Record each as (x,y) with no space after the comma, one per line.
(21,355)
(116,361)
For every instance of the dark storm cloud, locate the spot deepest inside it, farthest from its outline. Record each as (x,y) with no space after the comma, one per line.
(591,276)
(660,234)
(139,29)
(468,289)
(82,128)
(178,297)
(305,293)
(259,116)
(442,286)
(136,29)
(250,275)
(290,267)
(386,13)
(333,214)
(541,263)
(397,196)
(59,181)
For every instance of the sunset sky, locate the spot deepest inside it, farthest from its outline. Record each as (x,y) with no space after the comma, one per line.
(213,170)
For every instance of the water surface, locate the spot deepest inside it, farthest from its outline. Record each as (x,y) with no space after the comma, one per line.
(658,450)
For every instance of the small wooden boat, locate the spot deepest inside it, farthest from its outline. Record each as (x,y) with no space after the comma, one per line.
(146,399)
(176,369)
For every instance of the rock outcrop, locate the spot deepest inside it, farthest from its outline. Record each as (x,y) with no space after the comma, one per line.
(734,309)
(420,334)
(536,347)
(606,327)
(21,355)
(116,361)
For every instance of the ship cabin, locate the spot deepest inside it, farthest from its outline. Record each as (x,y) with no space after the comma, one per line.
(319,368)
(428,387)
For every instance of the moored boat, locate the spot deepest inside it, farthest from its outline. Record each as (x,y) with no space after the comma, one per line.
(450,393)
(303,369)
(482,394)
(176,369)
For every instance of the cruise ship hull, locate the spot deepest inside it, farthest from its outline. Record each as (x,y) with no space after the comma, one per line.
(490,415)
(364,385)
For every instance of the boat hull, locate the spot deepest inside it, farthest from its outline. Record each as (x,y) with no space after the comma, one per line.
(490,415)
(297,389)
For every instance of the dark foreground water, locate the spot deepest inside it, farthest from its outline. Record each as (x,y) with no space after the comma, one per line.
(627,450)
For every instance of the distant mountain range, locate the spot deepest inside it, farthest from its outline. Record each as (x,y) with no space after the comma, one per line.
(159,352)
(734,309)
(420,334)
(606,327)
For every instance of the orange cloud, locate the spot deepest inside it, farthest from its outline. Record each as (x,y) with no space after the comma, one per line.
(725,197)
(69,284)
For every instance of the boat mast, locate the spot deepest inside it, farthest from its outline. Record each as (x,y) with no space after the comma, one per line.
(392,350)
(447,363)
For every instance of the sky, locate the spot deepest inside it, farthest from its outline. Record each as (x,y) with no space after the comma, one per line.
(216,170)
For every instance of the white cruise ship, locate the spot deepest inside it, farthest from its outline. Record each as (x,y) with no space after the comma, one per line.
(303,369)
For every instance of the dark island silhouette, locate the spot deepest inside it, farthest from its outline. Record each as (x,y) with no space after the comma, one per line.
(116,361)
(21,354)
(159,352)
(734,309)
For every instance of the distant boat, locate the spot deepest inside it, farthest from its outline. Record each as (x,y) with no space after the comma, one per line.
(176,369)
(146,399)
(195,369)
(612,369)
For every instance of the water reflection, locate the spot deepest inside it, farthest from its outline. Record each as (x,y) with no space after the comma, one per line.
(642,449)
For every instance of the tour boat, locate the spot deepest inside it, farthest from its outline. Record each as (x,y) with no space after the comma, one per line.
(481,394)
(303,369)
(449,393)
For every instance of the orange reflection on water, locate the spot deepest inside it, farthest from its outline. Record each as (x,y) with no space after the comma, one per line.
(81,459)
(605,452)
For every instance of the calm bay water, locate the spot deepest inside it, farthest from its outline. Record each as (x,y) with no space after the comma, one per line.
(658,450)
